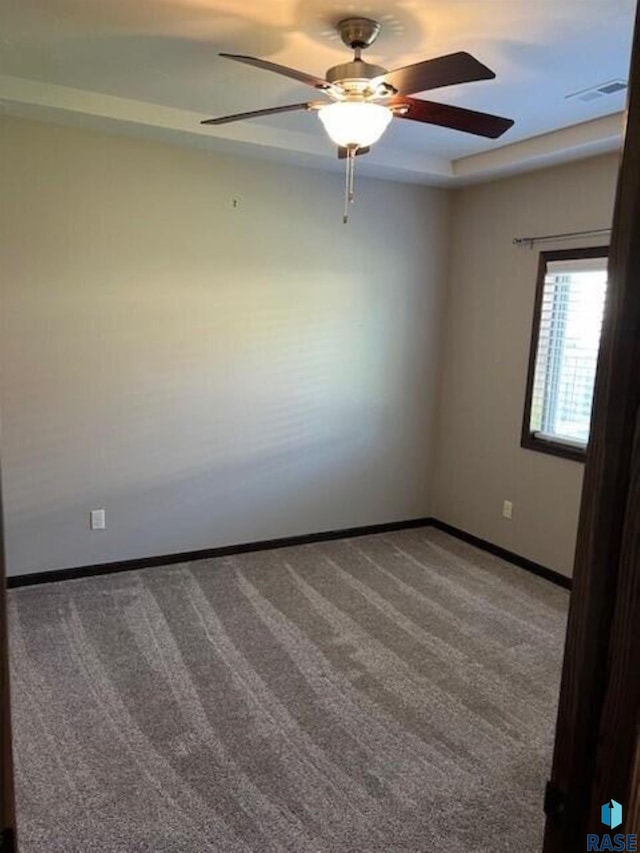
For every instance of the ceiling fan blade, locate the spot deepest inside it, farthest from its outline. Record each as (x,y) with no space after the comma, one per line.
(342,152)
(456,118)
(301,76)
(433,73)
(256,114)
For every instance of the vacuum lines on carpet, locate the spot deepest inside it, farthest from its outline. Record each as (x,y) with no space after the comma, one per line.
(383,694)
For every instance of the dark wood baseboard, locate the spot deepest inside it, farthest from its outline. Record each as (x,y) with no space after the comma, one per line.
(287,542)
(504,554)
(210,553)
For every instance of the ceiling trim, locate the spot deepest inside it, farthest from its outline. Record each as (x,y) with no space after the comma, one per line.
(62,104)
(51,102)
(569,143)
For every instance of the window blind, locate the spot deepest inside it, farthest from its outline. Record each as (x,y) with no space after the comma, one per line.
(569,338)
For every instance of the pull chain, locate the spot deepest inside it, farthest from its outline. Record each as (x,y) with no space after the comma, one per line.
(349,180)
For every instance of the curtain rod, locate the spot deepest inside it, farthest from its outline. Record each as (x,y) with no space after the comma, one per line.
(571,235)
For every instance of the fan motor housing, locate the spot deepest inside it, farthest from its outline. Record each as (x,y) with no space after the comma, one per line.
(356,70)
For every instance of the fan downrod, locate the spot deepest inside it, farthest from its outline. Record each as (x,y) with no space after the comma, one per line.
(358,33)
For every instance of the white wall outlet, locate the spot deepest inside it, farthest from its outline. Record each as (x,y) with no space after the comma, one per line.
(97,519)
(507,509)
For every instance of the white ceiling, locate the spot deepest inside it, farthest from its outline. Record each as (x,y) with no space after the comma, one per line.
(151,67)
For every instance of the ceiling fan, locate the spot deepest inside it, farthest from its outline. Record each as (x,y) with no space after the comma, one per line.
(363,98)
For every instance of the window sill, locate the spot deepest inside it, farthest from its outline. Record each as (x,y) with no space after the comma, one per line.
(554,448)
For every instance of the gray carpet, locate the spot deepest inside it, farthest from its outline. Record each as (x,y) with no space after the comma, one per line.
(388,693)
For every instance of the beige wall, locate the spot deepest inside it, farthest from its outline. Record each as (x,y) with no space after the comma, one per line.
(487,336)
(212,374)
(208,374)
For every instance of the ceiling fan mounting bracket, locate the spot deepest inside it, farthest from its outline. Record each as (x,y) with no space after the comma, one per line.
(358,33)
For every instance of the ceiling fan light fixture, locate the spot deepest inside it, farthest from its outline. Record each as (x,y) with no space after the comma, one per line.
(354,120)
(355,123)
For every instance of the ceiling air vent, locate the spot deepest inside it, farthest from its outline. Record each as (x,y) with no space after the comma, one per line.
(611,87)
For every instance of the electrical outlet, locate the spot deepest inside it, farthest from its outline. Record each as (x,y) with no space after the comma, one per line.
(97,519)
(507,509)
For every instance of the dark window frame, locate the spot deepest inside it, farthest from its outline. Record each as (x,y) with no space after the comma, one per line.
(528,439)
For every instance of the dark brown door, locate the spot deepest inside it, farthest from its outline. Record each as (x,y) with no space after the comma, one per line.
(597,754)
(7,807)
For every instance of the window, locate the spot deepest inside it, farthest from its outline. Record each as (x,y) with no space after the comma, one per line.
(567,321)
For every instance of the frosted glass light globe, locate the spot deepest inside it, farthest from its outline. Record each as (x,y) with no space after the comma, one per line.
(355,122)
